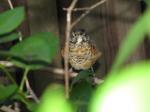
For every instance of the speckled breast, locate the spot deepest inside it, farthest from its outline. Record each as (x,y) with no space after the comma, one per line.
(82,56)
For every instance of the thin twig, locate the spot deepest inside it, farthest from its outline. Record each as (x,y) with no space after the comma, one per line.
(57,71)
(87,12)
(60,71)
(12,7)
(31,92)
(68,30)
(10,4)
(78,9)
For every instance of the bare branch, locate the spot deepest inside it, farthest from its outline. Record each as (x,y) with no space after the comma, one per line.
(86,12)
(57,71)
(77,9)
(10,4)
(60,71)
(54,70)
(6,63)
(98,81)
(68,30)
(31,92)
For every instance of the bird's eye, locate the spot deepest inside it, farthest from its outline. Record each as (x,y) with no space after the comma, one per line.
(74,34)
(73,39)
(87,38)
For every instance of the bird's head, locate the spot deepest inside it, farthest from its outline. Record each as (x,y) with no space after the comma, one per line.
(79,36)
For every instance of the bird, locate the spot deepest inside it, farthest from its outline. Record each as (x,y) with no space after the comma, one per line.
(83,53)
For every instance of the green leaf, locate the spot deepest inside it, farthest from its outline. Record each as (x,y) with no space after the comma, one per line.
(8,38)
(7,91)
(11,19)
(35,51)
(125,91)
(53,100)
(80,96)
(82,75)
(133,39)
(147,1)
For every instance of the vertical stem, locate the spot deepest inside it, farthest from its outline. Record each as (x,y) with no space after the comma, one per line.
(24,79)
(66,58)
(67,54)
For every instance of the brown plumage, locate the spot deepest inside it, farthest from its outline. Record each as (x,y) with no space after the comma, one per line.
(82,52)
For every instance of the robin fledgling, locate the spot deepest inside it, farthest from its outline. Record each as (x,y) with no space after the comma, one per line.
(82,52)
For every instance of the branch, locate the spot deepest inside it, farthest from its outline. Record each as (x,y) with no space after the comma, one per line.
(68,30)
(31,92)
(78,9)
(58,71)
(10,4)
(88,9)
(6,63)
